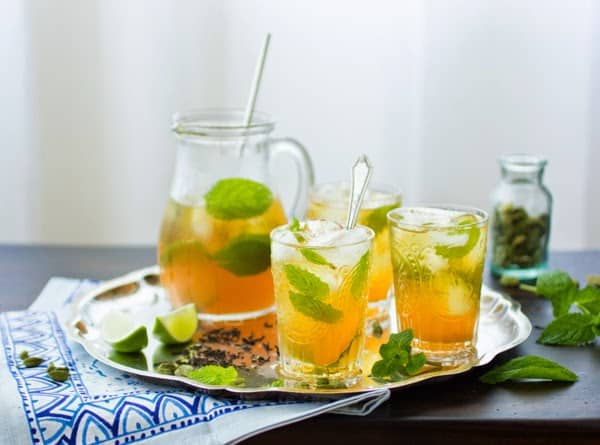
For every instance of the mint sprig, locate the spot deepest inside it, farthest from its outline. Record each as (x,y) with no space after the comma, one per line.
(237,198)
(568,328)
(529,367)
(246,254)
(396,360)
(310,291)
(306,282)
(216,375)
(314,308)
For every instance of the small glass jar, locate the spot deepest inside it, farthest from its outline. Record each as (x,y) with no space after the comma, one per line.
(522,208)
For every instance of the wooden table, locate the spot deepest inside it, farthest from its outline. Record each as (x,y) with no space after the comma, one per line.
(459,410)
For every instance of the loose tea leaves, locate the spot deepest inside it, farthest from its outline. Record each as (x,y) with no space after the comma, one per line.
(519,238)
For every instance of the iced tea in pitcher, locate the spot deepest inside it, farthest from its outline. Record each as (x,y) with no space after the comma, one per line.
(214,245)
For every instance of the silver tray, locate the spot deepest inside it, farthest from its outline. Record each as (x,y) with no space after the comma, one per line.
(502,326)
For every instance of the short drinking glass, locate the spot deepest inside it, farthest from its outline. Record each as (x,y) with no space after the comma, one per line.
(438,256)
(321,278)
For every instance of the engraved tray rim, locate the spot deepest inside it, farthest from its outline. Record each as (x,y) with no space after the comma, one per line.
(509,307)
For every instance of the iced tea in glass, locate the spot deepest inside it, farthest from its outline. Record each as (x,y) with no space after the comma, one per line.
(438,255)
(321,278)
(330,201)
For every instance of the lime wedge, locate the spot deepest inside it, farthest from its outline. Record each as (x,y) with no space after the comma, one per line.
(177,326)
(123,333)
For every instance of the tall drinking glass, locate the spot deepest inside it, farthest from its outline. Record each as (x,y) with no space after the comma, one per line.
(438,255)
(321,277)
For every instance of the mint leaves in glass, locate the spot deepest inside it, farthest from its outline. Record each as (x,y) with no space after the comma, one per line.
(321,278)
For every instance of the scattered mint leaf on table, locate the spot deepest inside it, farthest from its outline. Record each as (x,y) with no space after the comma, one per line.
(396,360)
(360,276)
(588,300)
(314,308)
(569,330)
(558,287)
(215,375)
(528,367)
(246,254)
(306,282)
(237,198)
(315,257)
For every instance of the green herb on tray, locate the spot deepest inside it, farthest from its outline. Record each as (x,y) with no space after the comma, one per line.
(396,360)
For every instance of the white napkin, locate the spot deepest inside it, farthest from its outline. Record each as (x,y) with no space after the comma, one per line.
(99,404)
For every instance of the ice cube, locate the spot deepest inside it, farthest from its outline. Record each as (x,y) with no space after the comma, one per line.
(434,262)
(443,238)
(460,296)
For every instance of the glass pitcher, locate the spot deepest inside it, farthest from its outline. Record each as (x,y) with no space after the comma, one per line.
(214,246)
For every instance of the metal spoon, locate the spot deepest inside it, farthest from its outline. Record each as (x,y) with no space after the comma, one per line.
(361,174)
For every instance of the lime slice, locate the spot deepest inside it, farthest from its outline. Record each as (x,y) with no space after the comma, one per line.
(177,326)
(123,333)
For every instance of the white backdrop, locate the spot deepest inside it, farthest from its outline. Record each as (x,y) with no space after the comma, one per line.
(432,91)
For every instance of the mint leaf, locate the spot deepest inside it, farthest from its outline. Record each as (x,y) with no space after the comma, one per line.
(554,284)
(247,254)
(315,309)
(360,276)
(570,329)
(528,367)
(215,375)
(588,300)
(237,198)
(296,228)
(295,225)
(377,218)
(397,361)
(315,258)
(450,251)
(306,282)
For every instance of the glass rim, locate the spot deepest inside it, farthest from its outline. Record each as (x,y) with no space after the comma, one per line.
(394,221)
(523,161)
(221,122)
(395,195)
(297,245)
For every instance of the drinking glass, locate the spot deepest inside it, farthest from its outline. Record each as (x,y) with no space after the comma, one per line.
(438,254)
(321,272)
(330,201)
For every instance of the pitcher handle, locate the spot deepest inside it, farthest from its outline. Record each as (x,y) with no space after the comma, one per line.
(304,167)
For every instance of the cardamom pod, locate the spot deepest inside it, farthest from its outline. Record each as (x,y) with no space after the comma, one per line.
(32,362)
(183,370)
(59,374)
(24,354)
(167,368)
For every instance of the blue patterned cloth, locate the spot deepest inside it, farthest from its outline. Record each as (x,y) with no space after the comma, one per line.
(99,404)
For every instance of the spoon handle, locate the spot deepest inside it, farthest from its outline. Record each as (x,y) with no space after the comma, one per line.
(361,174)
